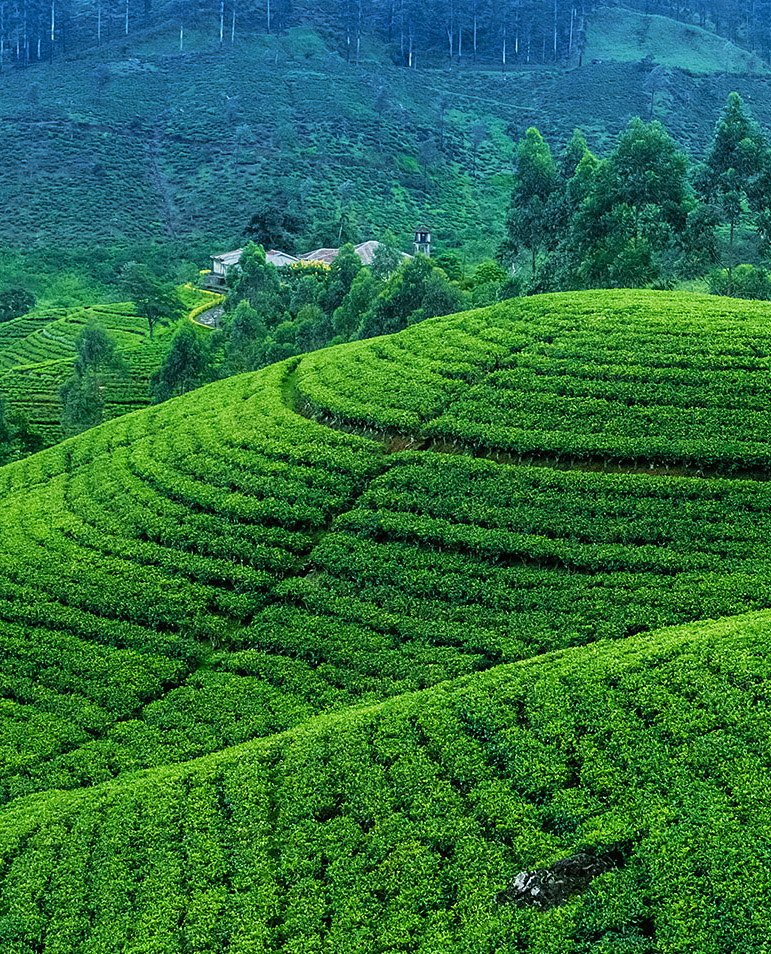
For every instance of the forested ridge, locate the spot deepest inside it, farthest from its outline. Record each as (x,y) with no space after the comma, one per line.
(510,33)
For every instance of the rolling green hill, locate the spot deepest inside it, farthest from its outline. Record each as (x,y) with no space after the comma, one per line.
(141,151)
(403,826)
(324,656)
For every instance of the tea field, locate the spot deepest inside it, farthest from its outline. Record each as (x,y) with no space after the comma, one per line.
(37,353)
(333,655)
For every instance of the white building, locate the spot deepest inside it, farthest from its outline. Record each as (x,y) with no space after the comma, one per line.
(221,263)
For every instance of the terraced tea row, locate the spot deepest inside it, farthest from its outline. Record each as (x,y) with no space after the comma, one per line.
(478,562)
(37,352)
(414,825)
(126,526)
(673,380)
(255,567)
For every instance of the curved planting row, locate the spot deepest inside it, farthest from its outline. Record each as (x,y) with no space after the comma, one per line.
(677,380)
(634,776)
(219,568)
(171,528)
(37,352)
(259,567)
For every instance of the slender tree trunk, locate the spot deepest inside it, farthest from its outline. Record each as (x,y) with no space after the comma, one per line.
(503,52)
(233,26)
(99,23)
(222,22)
(731,255)
(268,16)
(127,18)
(451,29)
(475,38)
(53,28)
(533,262)
(358,32)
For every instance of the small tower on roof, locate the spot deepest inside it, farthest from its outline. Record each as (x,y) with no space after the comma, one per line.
(422,241)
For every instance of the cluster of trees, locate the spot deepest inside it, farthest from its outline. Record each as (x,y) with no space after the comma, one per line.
(15,302)
(645,214)
(516,32)
(273,314)
(82,394)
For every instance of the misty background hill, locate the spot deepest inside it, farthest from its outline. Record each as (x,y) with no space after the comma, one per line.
(158,144)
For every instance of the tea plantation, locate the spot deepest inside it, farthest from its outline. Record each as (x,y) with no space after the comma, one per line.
(337,655)
(37,353)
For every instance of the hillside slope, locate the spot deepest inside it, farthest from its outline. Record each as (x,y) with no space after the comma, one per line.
(168,153)
(221,566)
(401,519)
(619,34)
(37,355)
(408,826)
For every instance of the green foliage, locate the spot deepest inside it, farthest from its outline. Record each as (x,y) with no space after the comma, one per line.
(636,206)
(38,353)
(733,165)
(245,333)
(744,281)
(156,301)
(95,349)
(83,394)
(343,272)
(228,570)
(410,818)
(302,147)
(82,400)
(535,180)
(256,281)
(634,218)
(418,290)
(356,304)
(184,367)
(387,257)
(15,302)
(639,36)
(275,225)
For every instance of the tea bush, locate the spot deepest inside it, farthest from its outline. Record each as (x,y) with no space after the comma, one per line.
(372,669)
